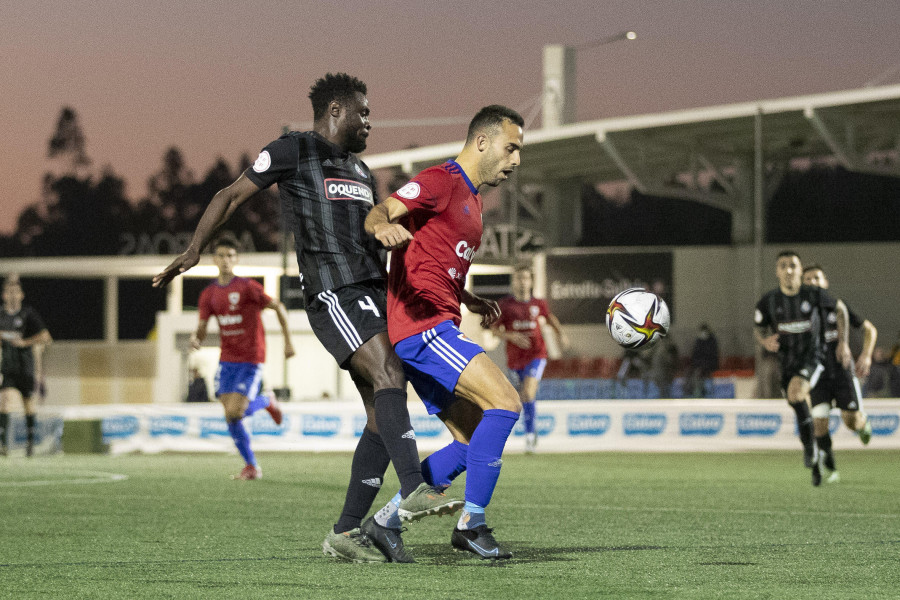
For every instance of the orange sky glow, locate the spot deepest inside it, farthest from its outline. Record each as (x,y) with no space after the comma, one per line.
(220,79)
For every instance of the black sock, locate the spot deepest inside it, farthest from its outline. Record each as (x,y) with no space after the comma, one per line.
(4,422)
(804,423)
(824,442)
(29,427)
(370,461)
(392,418)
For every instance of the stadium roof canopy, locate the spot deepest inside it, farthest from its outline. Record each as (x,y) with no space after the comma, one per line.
(731,156)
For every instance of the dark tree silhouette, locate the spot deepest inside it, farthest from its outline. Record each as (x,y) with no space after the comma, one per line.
(68,143)
(85,213)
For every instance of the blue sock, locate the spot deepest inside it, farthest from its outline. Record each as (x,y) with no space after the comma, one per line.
(261,401)
(389,516)
(485,450)
(242,440)
(472,516)
(445,465)
(528,412)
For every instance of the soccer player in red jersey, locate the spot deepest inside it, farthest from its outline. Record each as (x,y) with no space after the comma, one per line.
(237,304)
(433,224)
(326,192)
(521,317)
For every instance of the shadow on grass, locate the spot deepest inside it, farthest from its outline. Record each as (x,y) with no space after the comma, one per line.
(523,552)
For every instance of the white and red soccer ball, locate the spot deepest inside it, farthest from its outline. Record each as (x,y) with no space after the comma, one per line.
(637,318)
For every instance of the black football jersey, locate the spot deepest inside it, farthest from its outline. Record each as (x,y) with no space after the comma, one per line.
(799,322)
(326,193)
(22,324)
(830,333)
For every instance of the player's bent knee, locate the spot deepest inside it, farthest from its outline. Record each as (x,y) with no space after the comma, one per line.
(852,419)
(508,399)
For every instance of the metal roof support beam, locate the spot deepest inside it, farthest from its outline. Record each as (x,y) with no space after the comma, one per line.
(715,200)
(844,154)
(716,173)
(604,139)
(522,199)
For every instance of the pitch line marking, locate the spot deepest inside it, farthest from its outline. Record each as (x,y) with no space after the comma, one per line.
(98,477)
(741,511)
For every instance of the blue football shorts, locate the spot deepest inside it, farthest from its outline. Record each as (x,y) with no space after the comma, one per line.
(533,369)
(433,361)
(238,378)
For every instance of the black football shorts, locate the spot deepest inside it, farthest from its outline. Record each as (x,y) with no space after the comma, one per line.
(345,318)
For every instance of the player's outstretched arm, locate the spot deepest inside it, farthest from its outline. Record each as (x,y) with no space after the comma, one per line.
(769,342)
(561,338)
(279,309)
(41,338)
(219,210)
(199,334)
(842,353)
(382,223)
(488,309)
(864,362)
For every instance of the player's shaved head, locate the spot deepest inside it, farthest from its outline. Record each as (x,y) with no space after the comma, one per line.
(787,254)
(489,119)
(226,241)
(812,267)
(333,86)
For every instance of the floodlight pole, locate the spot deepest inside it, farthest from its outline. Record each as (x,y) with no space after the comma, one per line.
(563,212)
(558,95)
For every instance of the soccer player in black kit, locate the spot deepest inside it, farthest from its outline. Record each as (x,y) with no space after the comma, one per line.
(839,383)
(326,193)
(789,320)
(21,329)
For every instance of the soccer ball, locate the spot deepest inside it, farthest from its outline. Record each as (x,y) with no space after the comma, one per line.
(637,318)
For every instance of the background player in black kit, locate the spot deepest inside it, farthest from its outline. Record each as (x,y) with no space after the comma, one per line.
(789,321)
(326,193)
(21,330)
(839,383)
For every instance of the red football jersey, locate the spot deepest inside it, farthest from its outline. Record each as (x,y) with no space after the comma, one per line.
(427,276)
(523,317)
(237,307)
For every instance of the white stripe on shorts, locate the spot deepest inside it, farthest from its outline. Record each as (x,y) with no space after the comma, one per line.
(444,350)
(858,390)
(340,319)
(814,378)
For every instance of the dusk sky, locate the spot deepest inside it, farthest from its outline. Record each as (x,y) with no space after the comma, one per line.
(221,78)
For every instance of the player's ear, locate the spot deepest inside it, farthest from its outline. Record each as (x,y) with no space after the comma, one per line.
(482,142)
(334,108)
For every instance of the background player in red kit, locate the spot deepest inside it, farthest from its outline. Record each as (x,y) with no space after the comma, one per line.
(433,223)
(237,304)
(521,317)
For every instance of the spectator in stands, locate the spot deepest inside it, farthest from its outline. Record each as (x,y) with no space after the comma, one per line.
(634,366)
(895,353)
(884,378)
(663,365)
(704,360)
(197,391)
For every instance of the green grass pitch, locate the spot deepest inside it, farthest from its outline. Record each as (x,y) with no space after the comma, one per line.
(603,525)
